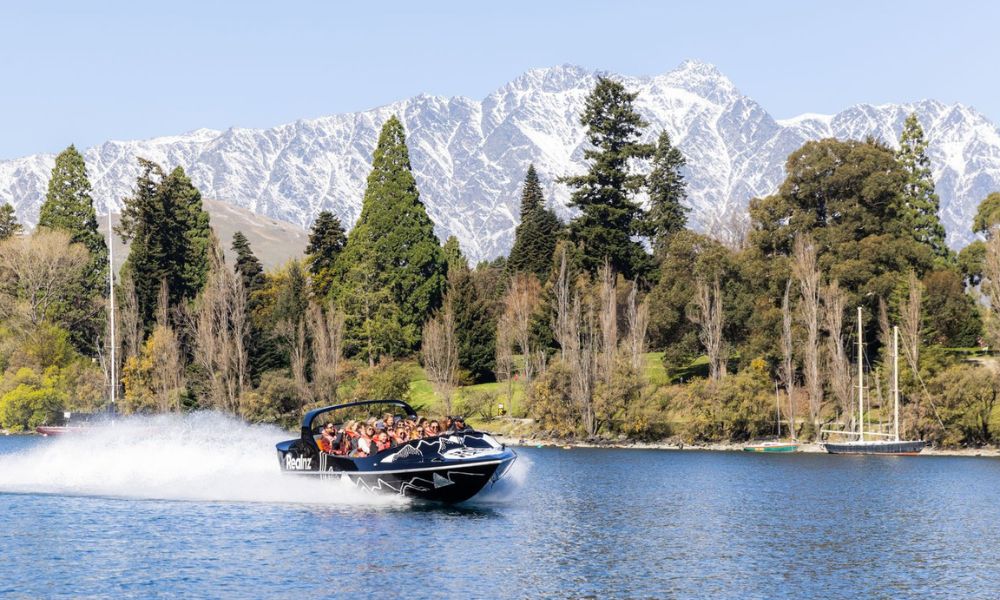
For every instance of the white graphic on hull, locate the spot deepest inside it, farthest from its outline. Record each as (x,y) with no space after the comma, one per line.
(440,482)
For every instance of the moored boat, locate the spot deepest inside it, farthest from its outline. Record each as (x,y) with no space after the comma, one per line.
(771,447)
(775,445)
(449,468)
(894,445)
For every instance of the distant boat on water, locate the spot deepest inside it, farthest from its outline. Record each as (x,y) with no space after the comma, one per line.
(774,445)
(894,445)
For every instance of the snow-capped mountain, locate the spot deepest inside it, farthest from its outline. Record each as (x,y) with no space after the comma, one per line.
(470,156)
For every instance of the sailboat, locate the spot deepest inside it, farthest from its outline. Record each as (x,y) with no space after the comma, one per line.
(894,445)
(774,445)
(77,423)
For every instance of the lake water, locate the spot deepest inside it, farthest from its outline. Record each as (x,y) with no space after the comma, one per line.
(194,507)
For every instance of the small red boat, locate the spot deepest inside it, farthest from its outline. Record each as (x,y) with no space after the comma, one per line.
(61,429)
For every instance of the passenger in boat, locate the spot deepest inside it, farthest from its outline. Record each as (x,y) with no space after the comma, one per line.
(447,424)
(350,439)
(401,436)
(328,439)
(364,448)
(434,428)
(382,441)
(457,425)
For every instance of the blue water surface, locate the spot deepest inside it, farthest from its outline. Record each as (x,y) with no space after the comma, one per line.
(585,523)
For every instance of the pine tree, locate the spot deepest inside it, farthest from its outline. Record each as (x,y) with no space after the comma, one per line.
(921,202)
(394,244)
(8,222)
(69,207)
(248,266)
(667,190)
(535,236)
(609,215)
(326,241)
(260,349)
(192,256)
(169,234)
(453,254)
(475,325)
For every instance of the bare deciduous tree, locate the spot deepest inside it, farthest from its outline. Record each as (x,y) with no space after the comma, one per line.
(991,285)
(220,325)
(788,365)
(327,327)
(520,304)
(709,318)
(637,318)
(128,317)
(910,320)
(608,321)
(36,273)
(581,357)
(167,361)
(299,355)
(838,367)
(505,355)
(440,352)
(560,325)
(805,271)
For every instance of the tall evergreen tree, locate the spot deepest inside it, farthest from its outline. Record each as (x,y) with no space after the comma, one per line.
(248,266)
(453,254)
(535,236)
(261,350)
(667,190)
(169,234)
(69,206)
(475,324)
(921,202)
(609,215)
(326,241)
(8,222)
(394,244)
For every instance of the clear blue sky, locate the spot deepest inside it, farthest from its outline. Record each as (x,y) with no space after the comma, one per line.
(84,72)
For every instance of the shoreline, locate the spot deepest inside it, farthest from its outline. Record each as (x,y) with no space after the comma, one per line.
(804,448)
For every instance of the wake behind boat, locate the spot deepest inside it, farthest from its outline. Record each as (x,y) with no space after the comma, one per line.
(451,467)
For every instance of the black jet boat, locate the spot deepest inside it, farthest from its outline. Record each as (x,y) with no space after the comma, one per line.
(451,467)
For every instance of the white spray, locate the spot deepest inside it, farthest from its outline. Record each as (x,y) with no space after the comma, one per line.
(199,456)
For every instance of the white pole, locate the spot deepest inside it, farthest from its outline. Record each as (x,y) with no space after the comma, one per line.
(111,281)
(777,407)
(895,380)
(861,382)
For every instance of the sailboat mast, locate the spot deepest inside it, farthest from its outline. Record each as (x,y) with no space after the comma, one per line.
(111,295)
(777,407)
(895,380)
(861,382)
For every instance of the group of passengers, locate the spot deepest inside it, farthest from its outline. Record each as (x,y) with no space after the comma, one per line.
(358,439)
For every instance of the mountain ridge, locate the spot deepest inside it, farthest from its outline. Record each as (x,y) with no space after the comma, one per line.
(469,156)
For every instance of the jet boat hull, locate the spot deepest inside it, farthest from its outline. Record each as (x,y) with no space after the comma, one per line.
(449,468)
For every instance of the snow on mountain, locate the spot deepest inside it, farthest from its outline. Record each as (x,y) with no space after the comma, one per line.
(470,156)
